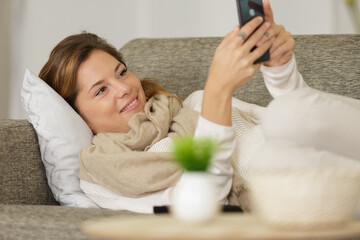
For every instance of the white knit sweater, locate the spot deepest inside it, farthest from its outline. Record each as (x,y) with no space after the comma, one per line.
(246,136)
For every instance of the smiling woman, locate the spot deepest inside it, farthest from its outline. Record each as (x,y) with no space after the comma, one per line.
(92,77)
(134,122)
(128,165)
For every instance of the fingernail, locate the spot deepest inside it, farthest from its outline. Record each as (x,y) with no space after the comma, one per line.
(233,33)
(236,29)
(267,24)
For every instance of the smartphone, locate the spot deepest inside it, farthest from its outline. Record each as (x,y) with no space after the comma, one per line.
(247,10)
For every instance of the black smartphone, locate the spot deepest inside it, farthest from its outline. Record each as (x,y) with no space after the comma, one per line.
(247,10)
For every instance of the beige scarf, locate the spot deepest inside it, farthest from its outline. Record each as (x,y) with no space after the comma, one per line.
(120,161)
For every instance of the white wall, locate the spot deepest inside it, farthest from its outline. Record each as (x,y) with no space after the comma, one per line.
(38,25)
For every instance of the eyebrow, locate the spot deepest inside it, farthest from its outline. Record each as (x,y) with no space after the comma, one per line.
(102,81)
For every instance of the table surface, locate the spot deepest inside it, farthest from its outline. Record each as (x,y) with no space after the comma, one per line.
(224,226)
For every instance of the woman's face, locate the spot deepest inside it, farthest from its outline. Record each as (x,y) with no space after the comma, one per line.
(108,94)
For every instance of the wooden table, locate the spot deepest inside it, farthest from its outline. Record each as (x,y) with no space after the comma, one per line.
(225,226)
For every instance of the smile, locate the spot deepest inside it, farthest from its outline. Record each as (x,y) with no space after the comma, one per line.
(129,105)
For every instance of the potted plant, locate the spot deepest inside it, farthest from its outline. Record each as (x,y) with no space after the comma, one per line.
(195,196)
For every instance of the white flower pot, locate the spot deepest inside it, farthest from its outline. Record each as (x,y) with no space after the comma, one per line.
(195,198)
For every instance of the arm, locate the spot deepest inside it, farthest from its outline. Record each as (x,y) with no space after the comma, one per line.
(232,66)
(280,72)
(220,166)
(282,79)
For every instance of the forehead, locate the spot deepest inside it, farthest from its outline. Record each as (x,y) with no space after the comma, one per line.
(98,66)
(98,61)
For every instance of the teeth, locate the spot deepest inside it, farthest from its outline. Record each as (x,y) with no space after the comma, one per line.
(128,106)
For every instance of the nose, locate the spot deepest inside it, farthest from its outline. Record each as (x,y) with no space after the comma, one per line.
(121,89)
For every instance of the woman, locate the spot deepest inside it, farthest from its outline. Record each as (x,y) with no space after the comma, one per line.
(133,121)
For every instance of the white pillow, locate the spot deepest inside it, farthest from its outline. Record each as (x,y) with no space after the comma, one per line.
(62,133)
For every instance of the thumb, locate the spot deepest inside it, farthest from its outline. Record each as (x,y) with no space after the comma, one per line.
(269,17)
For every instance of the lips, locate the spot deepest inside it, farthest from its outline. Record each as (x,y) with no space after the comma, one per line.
(129,105)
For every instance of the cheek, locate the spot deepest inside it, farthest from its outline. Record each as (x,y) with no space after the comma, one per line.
(83,110)
(98,110)
(90,111)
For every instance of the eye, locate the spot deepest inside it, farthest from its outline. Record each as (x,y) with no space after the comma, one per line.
(100,91)
(122,73)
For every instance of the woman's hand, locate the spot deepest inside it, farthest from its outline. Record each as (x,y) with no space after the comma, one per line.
(232,66)
(283,43)
(233,62)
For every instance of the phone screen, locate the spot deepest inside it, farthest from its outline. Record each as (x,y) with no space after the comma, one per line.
(247,10)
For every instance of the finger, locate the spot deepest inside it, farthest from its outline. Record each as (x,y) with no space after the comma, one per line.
(272,32)
(284,48)
(249,28)
(280,51)
(240,35)
(281,60)
(279,40)
(256,36)
(243,36)
(268,11)
(235,31)
(284,37)
(228,37)
(259,51)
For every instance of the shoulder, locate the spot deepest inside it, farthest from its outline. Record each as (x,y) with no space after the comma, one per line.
(194,100)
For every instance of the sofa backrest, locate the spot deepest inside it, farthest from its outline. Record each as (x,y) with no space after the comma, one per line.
(327,62)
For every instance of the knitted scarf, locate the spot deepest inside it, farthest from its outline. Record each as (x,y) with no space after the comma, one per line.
(120,161)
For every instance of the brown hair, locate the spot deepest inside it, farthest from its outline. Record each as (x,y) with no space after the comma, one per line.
(60,71)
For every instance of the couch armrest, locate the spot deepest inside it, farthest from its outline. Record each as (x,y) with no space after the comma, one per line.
(22,173)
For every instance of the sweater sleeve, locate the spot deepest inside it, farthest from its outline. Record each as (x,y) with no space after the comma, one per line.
(220,166)
(283,79)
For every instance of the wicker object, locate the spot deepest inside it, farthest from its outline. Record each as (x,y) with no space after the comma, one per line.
(305,197)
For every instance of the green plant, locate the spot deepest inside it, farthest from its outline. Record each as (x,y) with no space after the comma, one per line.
(194,154)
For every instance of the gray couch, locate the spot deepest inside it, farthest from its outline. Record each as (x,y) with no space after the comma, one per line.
(27,208)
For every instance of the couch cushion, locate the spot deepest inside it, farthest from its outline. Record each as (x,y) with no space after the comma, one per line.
(22,174)
(47,222)
(327,62)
